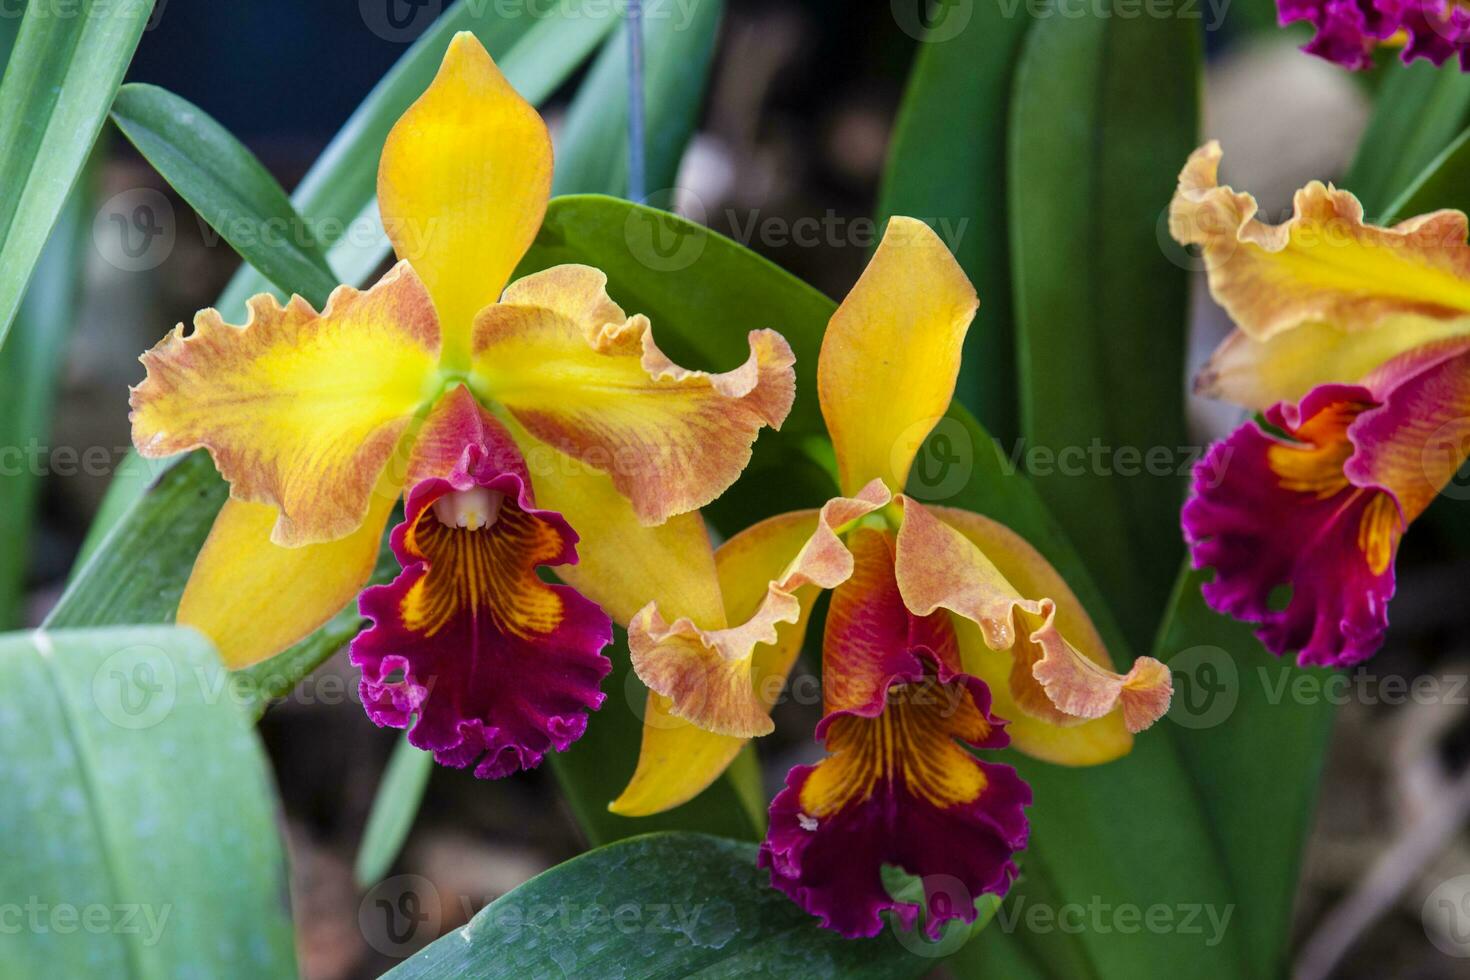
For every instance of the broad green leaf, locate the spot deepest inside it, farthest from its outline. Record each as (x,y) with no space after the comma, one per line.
(537,46)
(662,905)
(947,165)
(394,807)
(592,153)
(1417,113)
(1102,117)
(227,186)
(138,811)
(59,81)
(29,365)
(1235,707)
(1442,184)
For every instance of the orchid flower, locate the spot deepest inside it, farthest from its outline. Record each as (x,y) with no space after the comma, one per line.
(938,618)
(507,415)
(1354,341)
(1349,31)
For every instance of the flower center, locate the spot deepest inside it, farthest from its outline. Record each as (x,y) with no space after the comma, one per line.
(472,509)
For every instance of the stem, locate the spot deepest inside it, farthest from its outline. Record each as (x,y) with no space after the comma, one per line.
(636,176)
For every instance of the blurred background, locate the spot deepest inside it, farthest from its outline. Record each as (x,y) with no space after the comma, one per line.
(795,128)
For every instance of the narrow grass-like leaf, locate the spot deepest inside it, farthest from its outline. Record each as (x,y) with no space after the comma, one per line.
(1234,707)
(227,186)
(1417,113)
(947,166)
(592,157)
(29,365)
(58,83)
(662,905)
(138,812)
(1444,183)
(394,807)
(1102,117)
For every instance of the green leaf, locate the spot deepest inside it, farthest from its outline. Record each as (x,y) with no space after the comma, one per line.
(227,186)
(58,84)
(537,48)
(138,812)
(394,808)
(1103,116)
(1235,708)
(1442,184)
(1419,110)
(29,365)
(663,905)
(947,165)
(592,157)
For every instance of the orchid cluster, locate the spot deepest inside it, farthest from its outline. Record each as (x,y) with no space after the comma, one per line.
(1353,342)
(1349,31)
(534,424)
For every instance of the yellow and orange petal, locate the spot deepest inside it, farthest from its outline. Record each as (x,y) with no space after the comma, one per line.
(677,759)
(463,184)
(891,354)
(939,567)
(707,674)
(254,598)
(583,377)
(301,410)
(1324,265)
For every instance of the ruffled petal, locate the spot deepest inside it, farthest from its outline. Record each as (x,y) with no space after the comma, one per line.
(891,354)
(254,598)
(1324,265)
(678,760)
(462,184)
(585,378)
(1348,31)
(300,410)
(1257,374)
(1269,511)
(939,567)
(489,665)
(1009,677)
(707,674)
(898,788)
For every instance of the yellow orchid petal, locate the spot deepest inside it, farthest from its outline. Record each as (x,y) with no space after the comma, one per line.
(891,354)
(939,566)
(253,598)
(620,561)
(300,410)
(678,760)
(463,184)
(587,379)
(707,674)
(1324,265)
(1257,374)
